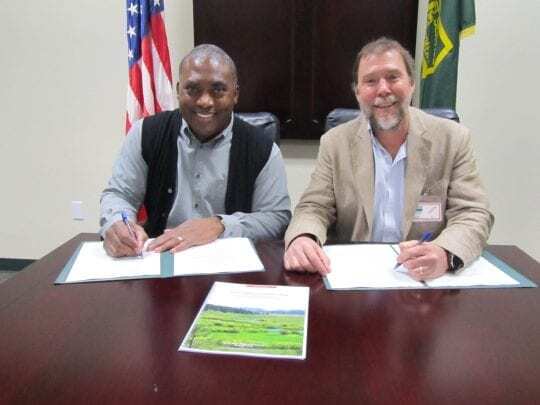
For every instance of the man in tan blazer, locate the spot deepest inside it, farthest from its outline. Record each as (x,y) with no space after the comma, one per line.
(391,175)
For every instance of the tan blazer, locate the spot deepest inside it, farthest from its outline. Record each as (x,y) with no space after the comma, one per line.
(440,167)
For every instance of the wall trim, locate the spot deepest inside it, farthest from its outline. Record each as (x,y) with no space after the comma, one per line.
(14,264)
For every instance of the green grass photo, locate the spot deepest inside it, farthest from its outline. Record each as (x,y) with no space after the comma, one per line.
(227,329)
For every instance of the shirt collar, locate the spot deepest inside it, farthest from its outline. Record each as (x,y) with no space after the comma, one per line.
(225,135)
(402,152)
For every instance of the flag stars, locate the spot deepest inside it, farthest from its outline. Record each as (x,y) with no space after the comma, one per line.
(131,31)
(130,54)
(133,9)
(156,3)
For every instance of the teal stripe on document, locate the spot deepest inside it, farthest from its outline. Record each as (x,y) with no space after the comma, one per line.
(523,281)
(166,261)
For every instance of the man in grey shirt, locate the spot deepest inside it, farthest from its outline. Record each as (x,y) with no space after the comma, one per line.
(201,173)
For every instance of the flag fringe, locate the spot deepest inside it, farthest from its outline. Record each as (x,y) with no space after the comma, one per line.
(467,32)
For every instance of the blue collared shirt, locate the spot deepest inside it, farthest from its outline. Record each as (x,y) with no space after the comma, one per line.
(389,192)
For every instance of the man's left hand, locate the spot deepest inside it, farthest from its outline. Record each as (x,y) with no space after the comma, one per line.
(193,232)
(424,261)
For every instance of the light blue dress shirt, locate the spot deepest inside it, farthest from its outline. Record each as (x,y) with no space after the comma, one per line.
(389,192)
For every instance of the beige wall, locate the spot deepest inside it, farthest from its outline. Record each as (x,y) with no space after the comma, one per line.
(63,79)
(497,97)
(63,102)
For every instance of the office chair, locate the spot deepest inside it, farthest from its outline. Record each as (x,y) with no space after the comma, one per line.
(265,120)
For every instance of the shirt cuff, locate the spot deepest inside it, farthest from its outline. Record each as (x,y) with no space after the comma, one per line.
(111,220)
(233,228)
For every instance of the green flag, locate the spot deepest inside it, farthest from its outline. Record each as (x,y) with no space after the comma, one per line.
(447,22)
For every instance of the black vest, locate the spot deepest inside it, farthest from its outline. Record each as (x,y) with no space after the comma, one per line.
(250,151)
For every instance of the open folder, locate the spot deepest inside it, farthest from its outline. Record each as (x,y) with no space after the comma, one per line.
(373,266)
(91,263)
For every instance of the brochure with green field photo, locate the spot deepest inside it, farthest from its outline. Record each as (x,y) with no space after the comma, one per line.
(251,320)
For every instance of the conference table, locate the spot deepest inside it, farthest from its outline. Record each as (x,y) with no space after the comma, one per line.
(116,342)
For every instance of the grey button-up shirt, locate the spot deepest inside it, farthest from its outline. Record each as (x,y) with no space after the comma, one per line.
(202,184)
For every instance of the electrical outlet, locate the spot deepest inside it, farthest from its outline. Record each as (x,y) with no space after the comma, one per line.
(77,212)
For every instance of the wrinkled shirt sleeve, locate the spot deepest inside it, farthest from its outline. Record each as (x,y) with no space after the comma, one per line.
(126,187)
(271,208)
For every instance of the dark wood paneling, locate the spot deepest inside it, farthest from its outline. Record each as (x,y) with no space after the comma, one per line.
(343,30)
(295,56)
(256,34)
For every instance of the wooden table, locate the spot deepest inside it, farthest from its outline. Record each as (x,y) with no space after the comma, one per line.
(116,342)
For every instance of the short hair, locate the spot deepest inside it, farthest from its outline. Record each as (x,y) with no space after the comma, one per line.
(381,45)
(213,52)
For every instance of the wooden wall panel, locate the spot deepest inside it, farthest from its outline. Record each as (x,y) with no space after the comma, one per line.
(295,56)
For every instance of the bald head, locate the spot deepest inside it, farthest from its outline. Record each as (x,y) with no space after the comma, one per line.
(212,53)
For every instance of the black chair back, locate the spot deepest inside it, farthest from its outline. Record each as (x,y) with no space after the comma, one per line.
(265,120)
(341,115)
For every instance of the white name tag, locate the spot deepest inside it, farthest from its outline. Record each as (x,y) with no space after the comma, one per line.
(428,211)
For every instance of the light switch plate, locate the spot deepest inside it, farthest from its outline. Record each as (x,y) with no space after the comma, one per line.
(77,212)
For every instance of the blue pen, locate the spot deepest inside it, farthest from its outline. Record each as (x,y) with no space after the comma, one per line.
(426,237)
(130,229)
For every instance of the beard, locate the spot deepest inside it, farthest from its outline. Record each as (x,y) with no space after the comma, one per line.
(390,120)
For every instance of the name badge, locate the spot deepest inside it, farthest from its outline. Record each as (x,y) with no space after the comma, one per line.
(428,211)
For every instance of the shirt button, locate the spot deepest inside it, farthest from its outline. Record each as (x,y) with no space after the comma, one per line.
(169,190)
(196,205)
(198,176)
(163,215)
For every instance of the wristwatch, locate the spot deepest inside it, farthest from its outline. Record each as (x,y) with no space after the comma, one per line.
(222,221)
(454,262)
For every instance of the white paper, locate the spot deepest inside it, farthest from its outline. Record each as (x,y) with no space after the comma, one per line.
(374,266)
(365,266)
(228,255)
(251,320)
(93,263)
(478,273)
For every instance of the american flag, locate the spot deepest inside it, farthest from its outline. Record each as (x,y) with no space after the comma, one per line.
(150,80)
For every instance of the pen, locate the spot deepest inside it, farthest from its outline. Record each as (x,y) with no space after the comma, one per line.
(426,236)
(130,229)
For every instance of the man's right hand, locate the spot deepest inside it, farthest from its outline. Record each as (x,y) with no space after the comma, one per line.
(118,242)
(305,255)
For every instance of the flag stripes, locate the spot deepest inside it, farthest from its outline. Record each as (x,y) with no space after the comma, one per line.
(150,79)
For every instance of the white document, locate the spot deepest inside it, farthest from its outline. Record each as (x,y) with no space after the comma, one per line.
(365,266)
(93,263)
(478,273)
(374,266)
(228,255)
(251,320)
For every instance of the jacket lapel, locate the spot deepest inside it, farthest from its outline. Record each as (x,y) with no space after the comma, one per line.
(418,155)
(363,169)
